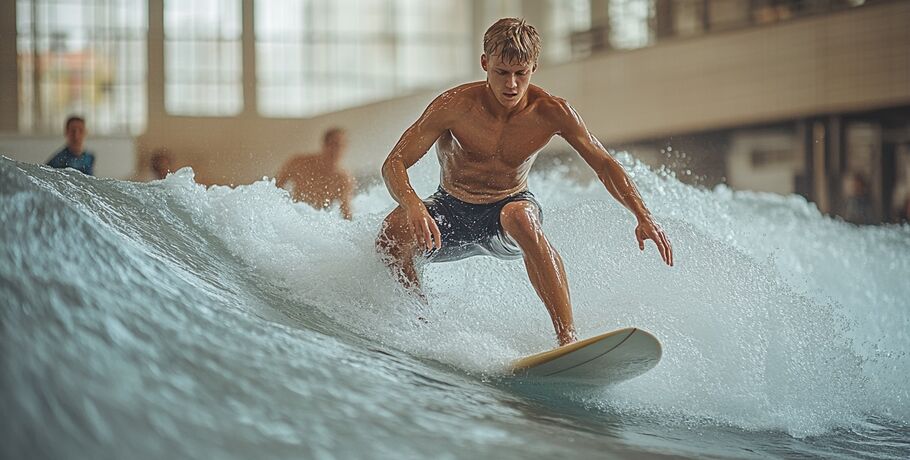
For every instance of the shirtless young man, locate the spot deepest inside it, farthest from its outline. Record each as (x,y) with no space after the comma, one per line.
(487,135)
(318,178)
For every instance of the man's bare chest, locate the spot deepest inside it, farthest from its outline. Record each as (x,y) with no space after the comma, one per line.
(509,143)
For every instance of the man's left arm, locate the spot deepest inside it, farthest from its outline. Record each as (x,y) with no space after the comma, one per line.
(572,128)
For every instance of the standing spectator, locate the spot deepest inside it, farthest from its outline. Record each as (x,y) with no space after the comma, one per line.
(857,201)
(900,195)
(162,163)
(74,155)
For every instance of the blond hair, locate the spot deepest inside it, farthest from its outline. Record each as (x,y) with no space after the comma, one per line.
(514,40)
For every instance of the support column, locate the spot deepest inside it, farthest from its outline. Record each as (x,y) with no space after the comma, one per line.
(9,69)
(478,27)
(803,180)
(155,49)
(248,45)
(819,167)
(834,162)
(600,25)
(664,26)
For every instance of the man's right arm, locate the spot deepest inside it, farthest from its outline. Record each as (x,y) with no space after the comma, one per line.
(413,145)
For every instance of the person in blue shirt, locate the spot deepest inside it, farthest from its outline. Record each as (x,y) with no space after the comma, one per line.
(74,155)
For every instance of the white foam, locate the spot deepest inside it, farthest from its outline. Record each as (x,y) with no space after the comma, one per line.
(774,316)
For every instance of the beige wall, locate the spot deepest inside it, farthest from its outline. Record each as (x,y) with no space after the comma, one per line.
(852,60)
(848,61)
(774,175)
(244,149)
(9,91)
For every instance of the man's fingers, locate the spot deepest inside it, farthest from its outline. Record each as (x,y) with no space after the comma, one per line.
(420,234)
(661,247)
(656,237)
(426,233)
(669,247)
(436,234)
(427,236)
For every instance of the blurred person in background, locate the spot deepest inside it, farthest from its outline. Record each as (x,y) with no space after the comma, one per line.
(318,178)
(162,163)
(900,195)
(857,202)
(74,155)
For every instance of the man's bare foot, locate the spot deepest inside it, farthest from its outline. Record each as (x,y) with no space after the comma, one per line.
(567,337)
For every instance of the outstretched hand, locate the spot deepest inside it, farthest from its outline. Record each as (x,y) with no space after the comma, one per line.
(647,229)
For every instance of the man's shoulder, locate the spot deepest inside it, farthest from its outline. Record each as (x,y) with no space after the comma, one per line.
(548,103)
(458,97)
(465,90)
(554,109)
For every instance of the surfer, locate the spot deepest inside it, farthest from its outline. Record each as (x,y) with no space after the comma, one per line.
(487,135)
(319,178)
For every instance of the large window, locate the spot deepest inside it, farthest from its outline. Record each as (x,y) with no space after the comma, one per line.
(630,23)
(433,42)
(203,64)
(317,56)
(82,57)
(567,17)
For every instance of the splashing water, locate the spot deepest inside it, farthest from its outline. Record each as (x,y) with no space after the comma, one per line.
(167,317)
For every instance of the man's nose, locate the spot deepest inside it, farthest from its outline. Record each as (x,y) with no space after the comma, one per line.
(512,81)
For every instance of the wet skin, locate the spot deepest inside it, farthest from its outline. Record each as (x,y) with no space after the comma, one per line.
(319,179)
(487,136)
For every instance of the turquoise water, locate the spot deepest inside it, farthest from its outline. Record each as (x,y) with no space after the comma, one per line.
(169,319)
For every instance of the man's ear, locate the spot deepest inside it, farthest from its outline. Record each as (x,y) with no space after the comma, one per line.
(483,62)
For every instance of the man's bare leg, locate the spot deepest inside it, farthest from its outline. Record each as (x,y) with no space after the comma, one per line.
(544,265)
(397,243)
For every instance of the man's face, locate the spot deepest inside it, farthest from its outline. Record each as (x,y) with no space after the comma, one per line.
(509,82)
(75,133)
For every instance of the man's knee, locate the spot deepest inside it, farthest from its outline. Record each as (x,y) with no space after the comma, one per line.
(521,221)
(394,234)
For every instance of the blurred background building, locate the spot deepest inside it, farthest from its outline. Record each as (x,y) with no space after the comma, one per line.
(785,96)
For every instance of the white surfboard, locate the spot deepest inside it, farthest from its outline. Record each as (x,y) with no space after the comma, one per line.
(601,360)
